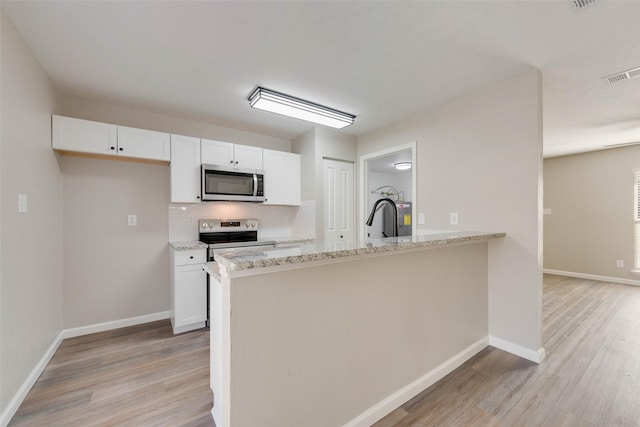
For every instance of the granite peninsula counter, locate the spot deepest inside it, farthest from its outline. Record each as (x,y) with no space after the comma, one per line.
(256,258)
(337,335)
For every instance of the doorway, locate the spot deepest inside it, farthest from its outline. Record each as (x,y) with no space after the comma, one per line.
(381,176)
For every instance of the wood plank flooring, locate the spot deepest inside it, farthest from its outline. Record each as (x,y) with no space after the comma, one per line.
(145,376)
(591,375)
(137,376)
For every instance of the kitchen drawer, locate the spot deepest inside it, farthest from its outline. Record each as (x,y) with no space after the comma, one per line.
(194,256)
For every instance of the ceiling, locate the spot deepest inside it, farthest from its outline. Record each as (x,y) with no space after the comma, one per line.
(382,61)
(386,164)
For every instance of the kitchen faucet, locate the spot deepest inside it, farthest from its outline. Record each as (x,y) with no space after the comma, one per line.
(395,214)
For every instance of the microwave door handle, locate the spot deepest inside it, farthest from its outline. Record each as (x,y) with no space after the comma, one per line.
(255,185)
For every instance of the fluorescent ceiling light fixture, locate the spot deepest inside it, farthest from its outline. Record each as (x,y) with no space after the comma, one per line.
(279,103)
(402,166)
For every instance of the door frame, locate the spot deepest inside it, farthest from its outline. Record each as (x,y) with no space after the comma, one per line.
(363,185)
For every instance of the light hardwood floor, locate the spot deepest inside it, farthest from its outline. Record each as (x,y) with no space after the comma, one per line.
(137,376)
(591,375)
(144,375)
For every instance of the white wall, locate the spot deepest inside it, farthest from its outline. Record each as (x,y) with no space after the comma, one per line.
(480,156)
(591,223)
(363,330)
(113,271)
(275,221)
(31,248)
(314,146)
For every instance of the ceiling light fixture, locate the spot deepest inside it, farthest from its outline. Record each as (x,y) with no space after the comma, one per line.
(402,166)
(276,102)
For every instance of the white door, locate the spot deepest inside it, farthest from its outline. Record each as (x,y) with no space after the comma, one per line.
(339,221)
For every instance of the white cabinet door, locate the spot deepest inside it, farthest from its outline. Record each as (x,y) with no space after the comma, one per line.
(281,178)
(216,152)
(228,154)
(190,297)
(247,157)
(143,144)
(185,169)
(83,136)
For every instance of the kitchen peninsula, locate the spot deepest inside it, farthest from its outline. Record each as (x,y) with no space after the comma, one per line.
(330,336)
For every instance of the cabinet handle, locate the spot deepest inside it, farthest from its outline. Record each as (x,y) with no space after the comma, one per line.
(191,257)
(230,162)
(113,148)
(236,163)
(197,197)
(121,149)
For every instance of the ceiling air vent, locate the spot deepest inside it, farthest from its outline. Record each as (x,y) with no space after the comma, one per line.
(624,75)
(581,4)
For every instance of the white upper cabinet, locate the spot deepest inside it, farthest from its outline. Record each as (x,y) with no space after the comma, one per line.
(247,157)
(71,135)
(216,152)
(84,136)
(185,169)
(143,144)
(281,178)
(232,155)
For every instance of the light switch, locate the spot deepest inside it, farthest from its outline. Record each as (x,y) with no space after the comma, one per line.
(421,219)
(132,220)
(22,203)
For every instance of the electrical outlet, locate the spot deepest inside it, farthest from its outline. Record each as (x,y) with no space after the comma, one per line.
(132,220)
(620,263)
(22,203)
(421,219)
(453,218)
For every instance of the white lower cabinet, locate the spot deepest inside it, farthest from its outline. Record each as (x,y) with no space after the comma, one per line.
(188,290)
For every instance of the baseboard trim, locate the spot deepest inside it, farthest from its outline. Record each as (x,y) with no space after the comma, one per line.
(393,401)
(536,356)
(35,373)
(115,324)
(31,379)
(593,277)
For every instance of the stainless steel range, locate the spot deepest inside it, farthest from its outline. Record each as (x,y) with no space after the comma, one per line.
(229,233)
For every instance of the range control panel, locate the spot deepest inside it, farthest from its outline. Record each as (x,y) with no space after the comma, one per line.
(222,225)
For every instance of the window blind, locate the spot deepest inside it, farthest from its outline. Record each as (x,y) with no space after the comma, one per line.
(636,217)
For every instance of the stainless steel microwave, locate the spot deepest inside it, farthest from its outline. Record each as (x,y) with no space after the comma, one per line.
(236,185)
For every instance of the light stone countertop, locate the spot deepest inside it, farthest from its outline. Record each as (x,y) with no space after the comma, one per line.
(254,258)
(213,269)
(188,245)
